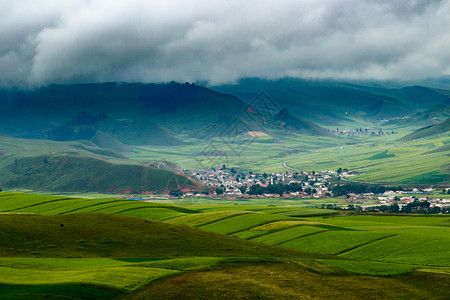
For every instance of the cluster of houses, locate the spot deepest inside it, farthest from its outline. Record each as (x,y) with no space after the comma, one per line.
(358,131)
(227,182)
(401,198)
(223,182)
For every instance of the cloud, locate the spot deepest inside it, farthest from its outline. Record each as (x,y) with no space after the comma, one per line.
(67,41)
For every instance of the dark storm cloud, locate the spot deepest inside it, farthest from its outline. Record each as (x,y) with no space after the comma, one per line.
(221,41)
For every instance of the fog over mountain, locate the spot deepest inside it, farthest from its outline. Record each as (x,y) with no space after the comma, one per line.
(218,42)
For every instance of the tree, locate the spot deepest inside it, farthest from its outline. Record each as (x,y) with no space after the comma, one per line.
(176,193)
(205,190)
(243,189)
(339,171)
(219,191)
(394,208)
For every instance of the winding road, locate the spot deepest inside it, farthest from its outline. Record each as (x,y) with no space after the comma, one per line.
(284,164)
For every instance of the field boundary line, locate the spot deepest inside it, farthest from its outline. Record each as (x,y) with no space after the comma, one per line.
(92,205)
(408,248)
(275,230)
(224,218)
(364,244)
(169,208)
(37,204)
(249,228)
(302,236)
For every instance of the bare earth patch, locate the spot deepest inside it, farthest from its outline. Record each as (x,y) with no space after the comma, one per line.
(257,133)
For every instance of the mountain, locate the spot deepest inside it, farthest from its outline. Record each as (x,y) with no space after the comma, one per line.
(428,131)
(288,121)
(86,131)
(433,115)
(127,114)
(330,102)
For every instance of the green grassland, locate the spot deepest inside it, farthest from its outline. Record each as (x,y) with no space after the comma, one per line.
(386,159)
(54,246)
(376,158)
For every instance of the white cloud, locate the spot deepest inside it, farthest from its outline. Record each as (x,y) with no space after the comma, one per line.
(221,41)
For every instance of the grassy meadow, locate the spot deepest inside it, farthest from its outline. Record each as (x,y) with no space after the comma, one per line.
(382,159)
(57,246)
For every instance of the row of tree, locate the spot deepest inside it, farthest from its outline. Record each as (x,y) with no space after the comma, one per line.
(277,188)
(419,207)
(361,188)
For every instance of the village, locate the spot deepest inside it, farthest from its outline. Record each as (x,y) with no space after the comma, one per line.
(358,131)
(230,183)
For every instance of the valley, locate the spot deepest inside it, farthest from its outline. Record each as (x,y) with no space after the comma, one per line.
(168,191)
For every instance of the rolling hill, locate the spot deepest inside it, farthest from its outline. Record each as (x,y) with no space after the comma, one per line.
(77,173)
(71,248)
(428,131)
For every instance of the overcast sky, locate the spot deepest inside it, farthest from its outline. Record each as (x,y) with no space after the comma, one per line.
(64,41)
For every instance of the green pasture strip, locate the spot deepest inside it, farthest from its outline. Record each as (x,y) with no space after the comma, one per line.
(118,277)
(417,248)
(308,212)
(370,268)
(436,270)
(120,208)
(242,222)
(251,233)
(272,227)
(205,218)
(182,264)
(279,237)
(52,208)
(22,201)
(123,205)
(218,207)
(59,263)
(315,265)
(102,206)
(77,204)
(362,221)
(139,205)
(152,213)
(58,291)
(333,241)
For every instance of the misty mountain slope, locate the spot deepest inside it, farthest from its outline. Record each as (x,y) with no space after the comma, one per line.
(290,122)
(331,102)
(132,114)
(433,115)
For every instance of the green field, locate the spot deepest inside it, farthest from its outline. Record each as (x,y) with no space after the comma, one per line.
(377,158)
(103,248)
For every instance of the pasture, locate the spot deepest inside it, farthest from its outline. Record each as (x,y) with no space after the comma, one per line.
(103,248)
